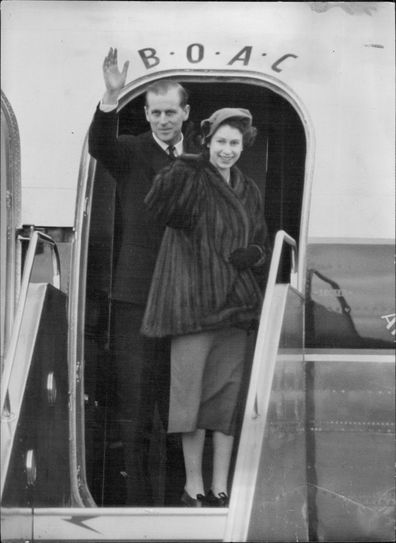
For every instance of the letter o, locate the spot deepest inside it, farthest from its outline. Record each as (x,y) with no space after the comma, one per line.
(195,50)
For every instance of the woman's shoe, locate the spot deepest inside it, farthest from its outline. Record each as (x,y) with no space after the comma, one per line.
(221,500)
(188,501)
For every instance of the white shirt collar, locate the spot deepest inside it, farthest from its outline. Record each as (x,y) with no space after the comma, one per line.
(178,146)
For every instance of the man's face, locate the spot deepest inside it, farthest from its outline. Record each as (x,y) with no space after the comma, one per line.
(166,116)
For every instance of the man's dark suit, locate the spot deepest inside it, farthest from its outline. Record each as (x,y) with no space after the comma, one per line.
(141,365)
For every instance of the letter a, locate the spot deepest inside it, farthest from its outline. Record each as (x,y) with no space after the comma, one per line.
(390,321)
(243,56)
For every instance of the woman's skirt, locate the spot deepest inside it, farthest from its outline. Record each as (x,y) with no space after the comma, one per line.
(206,376)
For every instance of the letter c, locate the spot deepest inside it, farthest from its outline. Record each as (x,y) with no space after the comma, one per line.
(280,60)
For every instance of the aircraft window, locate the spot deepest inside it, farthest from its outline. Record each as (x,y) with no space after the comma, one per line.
(276,163)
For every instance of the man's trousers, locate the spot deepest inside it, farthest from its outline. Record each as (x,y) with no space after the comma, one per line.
(140,406)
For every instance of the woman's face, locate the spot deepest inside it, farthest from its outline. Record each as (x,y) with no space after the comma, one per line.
(225,147)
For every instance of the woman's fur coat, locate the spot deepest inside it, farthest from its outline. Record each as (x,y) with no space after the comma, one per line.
(194,286)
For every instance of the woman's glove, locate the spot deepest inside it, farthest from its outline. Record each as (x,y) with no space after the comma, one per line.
(242,259)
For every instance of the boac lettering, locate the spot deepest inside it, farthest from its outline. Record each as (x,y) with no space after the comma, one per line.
(148,55)
(281,59)
(242,56)
(195,53)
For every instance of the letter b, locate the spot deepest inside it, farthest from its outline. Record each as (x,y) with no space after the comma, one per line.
(148,55)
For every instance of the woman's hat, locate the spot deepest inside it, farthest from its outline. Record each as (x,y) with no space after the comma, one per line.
(210,125)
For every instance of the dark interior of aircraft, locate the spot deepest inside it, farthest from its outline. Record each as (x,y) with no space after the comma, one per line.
(276,162)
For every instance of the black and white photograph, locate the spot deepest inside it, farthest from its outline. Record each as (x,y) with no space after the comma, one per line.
(197,271)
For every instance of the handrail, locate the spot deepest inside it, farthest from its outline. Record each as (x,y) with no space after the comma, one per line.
(258,398)
(9,357)
(31,252)
(281,239)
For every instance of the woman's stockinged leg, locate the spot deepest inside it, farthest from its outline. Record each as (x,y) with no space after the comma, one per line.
(193,444)
(222,450)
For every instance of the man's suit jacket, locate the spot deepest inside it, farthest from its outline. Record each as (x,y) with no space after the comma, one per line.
(133,161)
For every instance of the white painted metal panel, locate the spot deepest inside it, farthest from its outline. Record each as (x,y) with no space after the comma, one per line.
(338,60)
(129,524)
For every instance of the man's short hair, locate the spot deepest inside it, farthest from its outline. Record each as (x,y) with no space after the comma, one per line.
(162,86)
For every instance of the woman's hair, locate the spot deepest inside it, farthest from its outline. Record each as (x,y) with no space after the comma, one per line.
(248,132)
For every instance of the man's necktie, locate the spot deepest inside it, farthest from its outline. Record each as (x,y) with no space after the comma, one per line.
(171,151)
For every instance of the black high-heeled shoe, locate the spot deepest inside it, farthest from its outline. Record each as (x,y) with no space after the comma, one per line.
(221,500)
(188,501)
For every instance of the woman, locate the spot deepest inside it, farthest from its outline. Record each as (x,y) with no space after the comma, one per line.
(204,293)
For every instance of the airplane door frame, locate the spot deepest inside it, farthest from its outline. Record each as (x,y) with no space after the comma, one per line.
(10,262)
(10,219)
(80,491)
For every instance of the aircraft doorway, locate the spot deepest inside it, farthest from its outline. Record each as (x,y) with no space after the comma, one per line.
(276,162)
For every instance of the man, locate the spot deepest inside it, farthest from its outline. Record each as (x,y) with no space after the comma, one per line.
(141,365)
